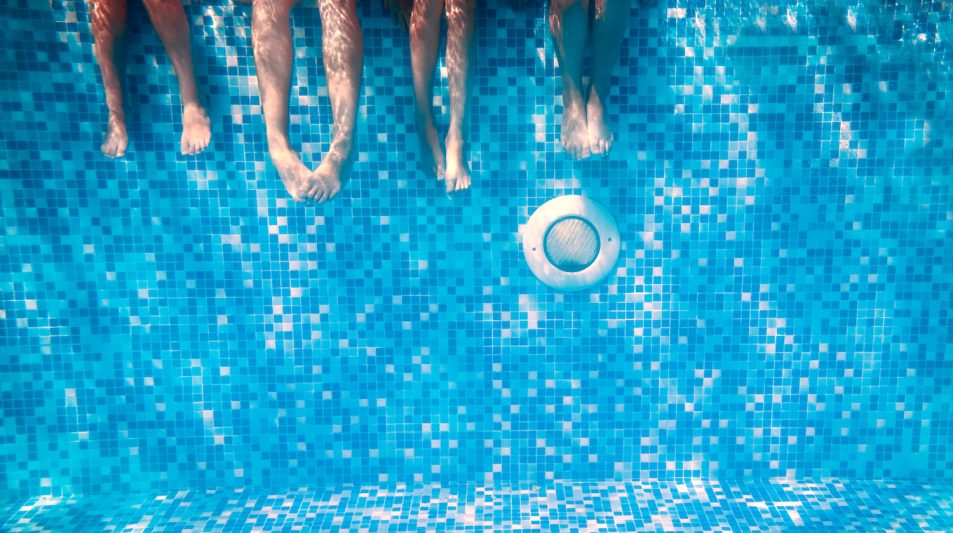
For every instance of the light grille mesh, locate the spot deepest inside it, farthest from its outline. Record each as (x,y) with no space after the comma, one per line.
(571,244)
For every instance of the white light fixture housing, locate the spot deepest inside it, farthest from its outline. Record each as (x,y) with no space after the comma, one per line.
(571,243)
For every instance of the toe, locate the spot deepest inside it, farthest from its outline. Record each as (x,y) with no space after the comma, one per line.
(310,192)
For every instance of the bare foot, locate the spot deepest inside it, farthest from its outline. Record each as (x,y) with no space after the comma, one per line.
(431,154)
(574,135)
(458,172)
(292,171)
(325,182)
(600,136)
(196,130)
(116,138)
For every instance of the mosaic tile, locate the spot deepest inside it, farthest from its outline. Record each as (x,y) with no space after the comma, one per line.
(636,506)
(780,308)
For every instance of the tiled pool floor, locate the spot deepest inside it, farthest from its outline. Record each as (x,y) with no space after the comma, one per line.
(615,506)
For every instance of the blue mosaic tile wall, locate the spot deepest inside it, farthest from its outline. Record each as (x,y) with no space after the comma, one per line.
(781,304)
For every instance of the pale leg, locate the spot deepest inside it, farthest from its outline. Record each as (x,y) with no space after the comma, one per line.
(271,39)
(343,52)
(608,31)
(424,41)
(460,19)
(170,23)
(569,23)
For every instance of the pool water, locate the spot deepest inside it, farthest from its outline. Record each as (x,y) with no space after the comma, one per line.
(184,347)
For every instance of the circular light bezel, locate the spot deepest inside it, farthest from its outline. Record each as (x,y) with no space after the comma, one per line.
(554,211)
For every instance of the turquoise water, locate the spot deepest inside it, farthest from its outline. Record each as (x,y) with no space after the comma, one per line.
(779,309)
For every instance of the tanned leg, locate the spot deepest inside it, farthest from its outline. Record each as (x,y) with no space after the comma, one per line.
(108,19)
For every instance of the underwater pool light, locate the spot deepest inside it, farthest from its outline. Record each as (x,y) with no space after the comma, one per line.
(571,243)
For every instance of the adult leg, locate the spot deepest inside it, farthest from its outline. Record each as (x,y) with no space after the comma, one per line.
(343,51)
(170,23)
(608,30)
(569,24)
(271,40)
(460,19)
(108,20)
(424,41)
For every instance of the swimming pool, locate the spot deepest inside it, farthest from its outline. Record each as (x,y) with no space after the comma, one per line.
(185,346)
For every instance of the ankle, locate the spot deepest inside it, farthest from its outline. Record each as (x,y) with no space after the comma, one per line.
(454,139)
(283,156)
(572,93)
(596,96)
(341,147)
(192,107)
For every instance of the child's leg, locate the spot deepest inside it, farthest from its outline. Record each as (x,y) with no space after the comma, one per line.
(424,40)
(569,23)
(608,31)
(271,40)
(343,51)
(460,20)
(168,18)
(108,19)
